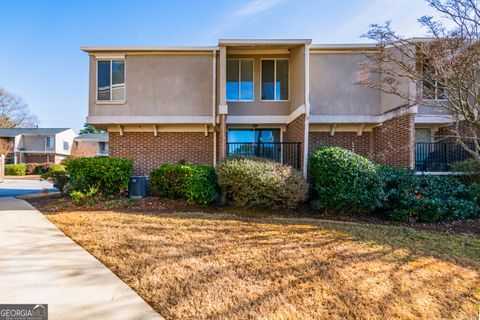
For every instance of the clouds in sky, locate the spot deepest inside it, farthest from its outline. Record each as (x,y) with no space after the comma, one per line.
(254,7)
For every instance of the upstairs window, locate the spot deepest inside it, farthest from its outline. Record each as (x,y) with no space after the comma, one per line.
(240,80)
(49,142)
(111,80)
(275,74)
(431,88)
(66,145)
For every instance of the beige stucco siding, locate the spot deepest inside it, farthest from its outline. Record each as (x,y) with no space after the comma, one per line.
(297,77)
(334,89)
(160,85)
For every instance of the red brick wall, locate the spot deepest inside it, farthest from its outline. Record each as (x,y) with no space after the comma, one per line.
(295,132)
(347,140)
(222,137)
(394,142)
(149,152)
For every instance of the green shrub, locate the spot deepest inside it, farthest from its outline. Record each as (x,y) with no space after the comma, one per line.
(470,170)
(425,198)
(251,182)
(169,180)
(15,169)
(58,178)
(77,196)
(196,183)
(56,167)
(344,180)
(107,175)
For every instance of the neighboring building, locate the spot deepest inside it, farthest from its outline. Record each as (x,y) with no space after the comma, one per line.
(98,142)
(38,145)
(278,99)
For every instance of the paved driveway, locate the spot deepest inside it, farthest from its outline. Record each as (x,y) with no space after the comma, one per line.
(40,265)
(15,187)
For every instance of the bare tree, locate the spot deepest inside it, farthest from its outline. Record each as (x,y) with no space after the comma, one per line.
(14,111)
(83,149)
(444,68)
(5,147)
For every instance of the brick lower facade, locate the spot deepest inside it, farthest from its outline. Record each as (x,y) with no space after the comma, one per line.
(149,151)
(295,132)
(392,143)
(362,145)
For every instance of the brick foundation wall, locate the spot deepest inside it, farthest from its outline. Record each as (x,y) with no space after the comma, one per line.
(295,132)
(394,142)
(348,140)
(149,152)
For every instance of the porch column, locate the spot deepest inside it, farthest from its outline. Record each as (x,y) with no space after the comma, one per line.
(222,108)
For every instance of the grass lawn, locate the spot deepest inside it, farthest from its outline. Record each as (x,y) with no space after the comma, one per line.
(224,266)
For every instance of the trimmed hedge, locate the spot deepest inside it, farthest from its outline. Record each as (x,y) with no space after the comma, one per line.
(253,182)
(107,175)
(196,183)
(426,198)
(15,169)
(344,180)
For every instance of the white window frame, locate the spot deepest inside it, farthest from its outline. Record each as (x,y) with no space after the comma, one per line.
(436,85)
(274,79)
(52,141)
(240,78)
(111,79)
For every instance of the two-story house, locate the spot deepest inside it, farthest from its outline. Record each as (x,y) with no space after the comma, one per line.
(278,99)
(95,144)
(38,145)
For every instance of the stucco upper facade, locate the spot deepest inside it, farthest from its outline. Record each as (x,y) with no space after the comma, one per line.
(187,85)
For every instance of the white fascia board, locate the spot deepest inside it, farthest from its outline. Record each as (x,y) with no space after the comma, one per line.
(257,119)
(345,46)
(242,42)
(147,48)
(433,119)
(148,119)
(373,119)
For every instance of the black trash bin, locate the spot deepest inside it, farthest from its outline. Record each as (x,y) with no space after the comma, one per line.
(137,187)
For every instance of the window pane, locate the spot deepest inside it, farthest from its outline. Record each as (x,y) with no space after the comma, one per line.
(103,80)
(246,85)
(282,80)
(241,135)
(118,80)
(232,80)
(268,79)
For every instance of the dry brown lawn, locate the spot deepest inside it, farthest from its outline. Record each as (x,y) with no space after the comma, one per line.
(223,266)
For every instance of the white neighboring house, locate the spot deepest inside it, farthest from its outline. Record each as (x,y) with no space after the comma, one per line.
(98,140)
(38,145)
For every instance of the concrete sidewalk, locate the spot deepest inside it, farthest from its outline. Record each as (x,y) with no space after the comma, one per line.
(39,264)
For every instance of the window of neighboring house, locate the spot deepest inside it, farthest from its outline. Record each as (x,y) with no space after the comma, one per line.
(432,89)
(240,82)
(275,74)
(49,142)
(111,80)
(102,147)
(66,145)
(423,135)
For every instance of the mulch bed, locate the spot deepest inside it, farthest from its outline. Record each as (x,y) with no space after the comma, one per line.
(51,204)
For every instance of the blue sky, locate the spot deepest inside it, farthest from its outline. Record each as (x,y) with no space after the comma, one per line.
(40,57)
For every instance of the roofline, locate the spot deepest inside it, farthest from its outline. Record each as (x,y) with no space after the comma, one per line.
(345,46)
(147,48)
(264,41)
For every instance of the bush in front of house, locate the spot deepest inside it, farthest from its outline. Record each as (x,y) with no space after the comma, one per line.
(31,168)
(425,198)
(107,175)
(469,171)
(15,169)
(253,182)
(196,183)
(344,180)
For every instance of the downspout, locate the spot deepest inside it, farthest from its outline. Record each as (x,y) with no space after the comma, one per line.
(307,107)
(214,97)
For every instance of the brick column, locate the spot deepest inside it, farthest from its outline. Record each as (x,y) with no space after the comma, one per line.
(295,132)
(394,142)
